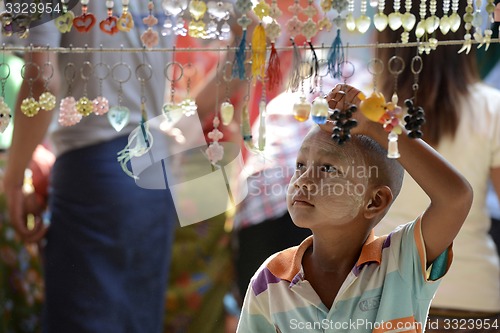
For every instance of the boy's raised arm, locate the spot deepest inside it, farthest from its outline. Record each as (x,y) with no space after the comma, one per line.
(450,193)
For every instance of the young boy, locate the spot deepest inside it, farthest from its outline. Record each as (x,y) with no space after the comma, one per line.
(343,278)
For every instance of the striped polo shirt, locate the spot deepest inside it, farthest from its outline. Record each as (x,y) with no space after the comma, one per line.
(388,290)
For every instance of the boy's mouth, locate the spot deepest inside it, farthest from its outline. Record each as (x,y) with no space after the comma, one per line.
(301,201)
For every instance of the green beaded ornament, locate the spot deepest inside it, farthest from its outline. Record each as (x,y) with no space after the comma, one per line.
(84,106)
(30,107)
(47,101)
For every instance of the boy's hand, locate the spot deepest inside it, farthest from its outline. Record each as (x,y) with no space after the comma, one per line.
(341,97)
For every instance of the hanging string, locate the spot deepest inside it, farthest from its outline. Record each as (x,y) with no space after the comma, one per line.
(259,52)
(240,56)
(295,77)
(273,72)
(336,56)
(314,67)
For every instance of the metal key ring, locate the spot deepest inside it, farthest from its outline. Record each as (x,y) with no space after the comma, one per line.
(167,68)
(144,72)
(323,66)
(393,64)
(375,66)
(73,72)
(4,78)
(26,66)
(106,71)
(227,71)
(86,70)
(342,66)
(128,72)
(416,69)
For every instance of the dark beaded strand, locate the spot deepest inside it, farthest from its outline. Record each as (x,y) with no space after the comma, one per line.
(343,124)
(414,120)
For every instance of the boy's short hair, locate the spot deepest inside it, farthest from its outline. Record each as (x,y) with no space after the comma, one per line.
(389,171)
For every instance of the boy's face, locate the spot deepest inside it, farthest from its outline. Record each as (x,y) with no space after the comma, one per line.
(330,182)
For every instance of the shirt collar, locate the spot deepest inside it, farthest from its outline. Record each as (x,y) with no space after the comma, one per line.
(287,264)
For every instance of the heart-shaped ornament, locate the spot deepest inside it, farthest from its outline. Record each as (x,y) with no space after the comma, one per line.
(65,22)
(109,25)
(125,22)
(84,22)
(118,117)
(197,9)
(174,7)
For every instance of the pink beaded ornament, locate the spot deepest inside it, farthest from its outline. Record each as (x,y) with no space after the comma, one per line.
(150,37)
(68,115)
(215,152)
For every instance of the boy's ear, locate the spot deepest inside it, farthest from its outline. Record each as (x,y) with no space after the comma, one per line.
(380,200)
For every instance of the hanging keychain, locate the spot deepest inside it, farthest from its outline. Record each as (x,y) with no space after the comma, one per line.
(171,109)
(415,117)
(100,103)
(309,30)
(141,140)
(319,111)
(188,104)
(126,20)
(227,108)
(47,100)
(85,21)
(109,24)
(5,112)
(29,105)
(393,114)
(64,23)
(302,109)
(119,115)
(68,115)
(84,105)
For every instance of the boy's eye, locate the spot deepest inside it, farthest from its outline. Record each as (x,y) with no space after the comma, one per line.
(299,166)
(328,168)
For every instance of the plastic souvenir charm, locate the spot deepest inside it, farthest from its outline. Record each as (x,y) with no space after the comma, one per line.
(302,109)
(100,105)
(64,23)
(319,110)
(118,117)
(5,115)
(150,37)
(68,115)
(126,21)
(110,24)
(215,152)
(47,101)
(85,21)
